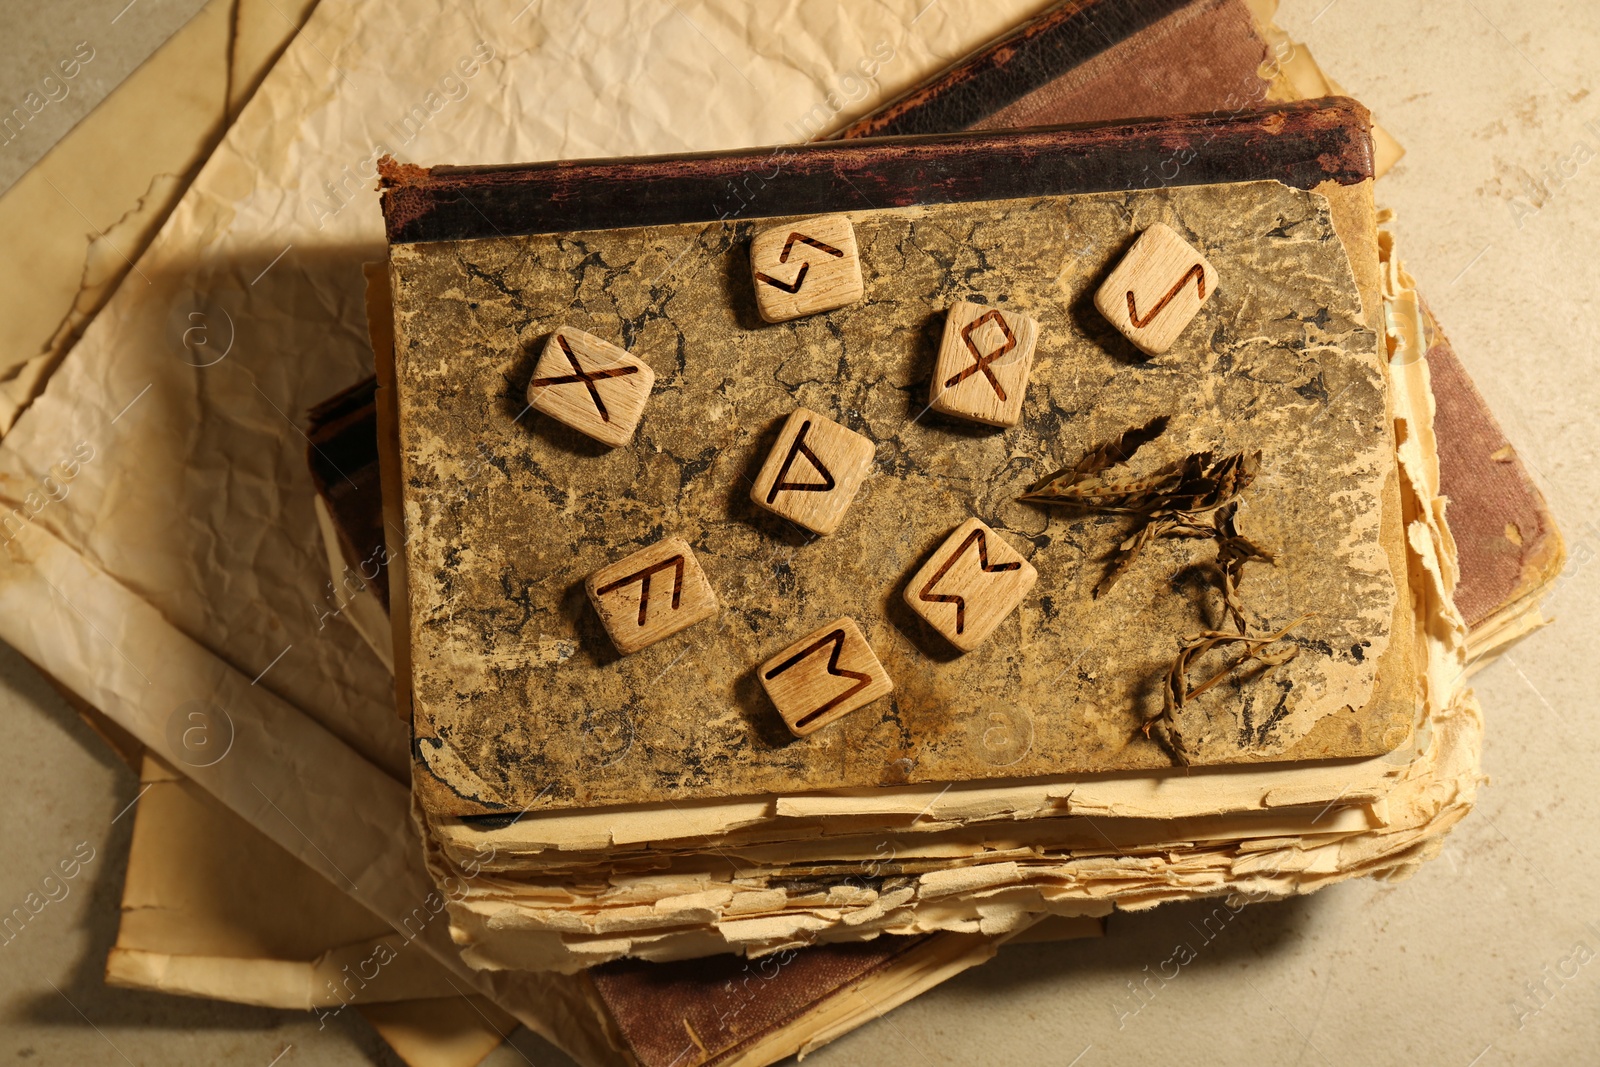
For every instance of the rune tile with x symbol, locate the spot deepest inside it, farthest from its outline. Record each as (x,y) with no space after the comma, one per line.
(608,414)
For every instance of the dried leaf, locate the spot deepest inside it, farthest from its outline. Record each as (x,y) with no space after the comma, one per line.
(1106,454)
(1197,484)
(1126,553)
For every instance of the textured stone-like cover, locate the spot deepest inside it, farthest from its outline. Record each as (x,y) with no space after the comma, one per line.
(520,699)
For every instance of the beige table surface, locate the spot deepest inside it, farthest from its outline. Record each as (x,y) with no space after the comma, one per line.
(1481,959)
(115,36)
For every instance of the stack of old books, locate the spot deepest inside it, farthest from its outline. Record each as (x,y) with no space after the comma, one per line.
(620,843)
(649,805)
(584,808)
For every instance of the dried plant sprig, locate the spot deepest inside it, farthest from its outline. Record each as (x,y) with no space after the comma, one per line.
(1234,550)
(1172,502)
(1103,456)
(1177,691)
(1196,497)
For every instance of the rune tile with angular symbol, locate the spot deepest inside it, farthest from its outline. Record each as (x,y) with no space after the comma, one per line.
(983,365)
(591,385)
(651,594)
(1156,290)
(813,472)
(824,676)
(800,268)
(970,584)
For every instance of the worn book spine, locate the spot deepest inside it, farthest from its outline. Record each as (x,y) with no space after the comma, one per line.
(1302,145)
(1065,39)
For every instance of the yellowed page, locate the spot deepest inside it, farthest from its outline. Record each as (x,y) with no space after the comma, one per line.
(79,218)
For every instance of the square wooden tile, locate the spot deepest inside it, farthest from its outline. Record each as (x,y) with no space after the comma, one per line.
(813,472)
(800,268)
(1157,288)
(651,594)
(983,365)
(825,675)
(591,385)
(970,584)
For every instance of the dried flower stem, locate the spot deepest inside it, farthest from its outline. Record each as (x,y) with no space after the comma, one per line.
(1176,501)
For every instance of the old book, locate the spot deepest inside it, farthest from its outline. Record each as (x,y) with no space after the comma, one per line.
(608,731)
(547,864)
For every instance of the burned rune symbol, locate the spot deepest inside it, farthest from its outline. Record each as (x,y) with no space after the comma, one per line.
(643,578)
(588,378)
(837,638)
(931,597)
(1197,272)
(980,362)
(783,257)
(800,448)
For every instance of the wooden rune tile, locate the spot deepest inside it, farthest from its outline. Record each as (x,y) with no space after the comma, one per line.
(983,365)
(824,676)
(970,585)
(591,385)
(813,472)
(800,268)
(1156,289)
(651,594)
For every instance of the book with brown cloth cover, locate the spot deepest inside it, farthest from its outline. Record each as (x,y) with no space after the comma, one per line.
(1069,65)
